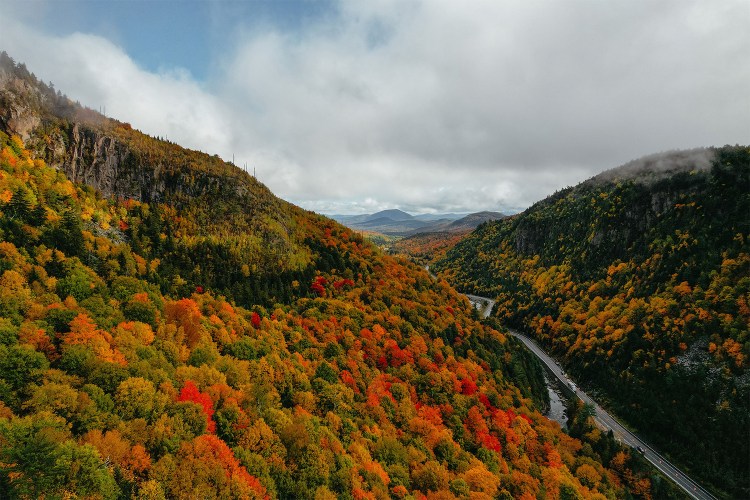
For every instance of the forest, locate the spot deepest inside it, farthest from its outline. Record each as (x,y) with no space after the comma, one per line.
(641,286)
(183,345)
(427,248)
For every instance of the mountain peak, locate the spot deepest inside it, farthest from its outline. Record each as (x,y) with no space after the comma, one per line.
(393,214)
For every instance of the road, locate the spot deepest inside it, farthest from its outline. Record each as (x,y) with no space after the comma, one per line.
(603,419)
(482,304)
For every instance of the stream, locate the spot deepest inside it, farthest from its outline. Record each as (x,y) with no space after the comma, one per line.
(556,403)
(560,385)
(557,399)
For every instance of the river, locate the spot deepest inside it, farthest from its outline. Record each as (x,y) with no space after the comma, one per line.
(557,400)
(604,420)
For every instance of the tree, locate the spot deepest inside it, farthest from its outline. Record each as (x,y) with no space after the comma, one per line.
(191,393)
(481,480)
(21,365)
(133,461)
(186,314)
(430,477)
(14,294)
(83,331)
(37,460)
(31,454)
(205,467)
(136,397)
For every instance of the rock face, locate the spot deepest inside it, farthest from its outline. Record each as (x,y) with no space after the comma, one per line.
(83,154)
(92,157)
(99,160)
(86,146)
(15,114)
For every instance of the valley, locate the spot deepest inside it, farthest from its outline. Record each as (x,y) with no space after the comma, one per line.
(170,329)
(604,420)
(607,422)
(401,250)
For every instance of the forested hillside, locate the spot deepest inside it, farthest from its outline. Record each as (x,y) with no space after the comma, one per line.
(639,279)
(180,333)
(427,248)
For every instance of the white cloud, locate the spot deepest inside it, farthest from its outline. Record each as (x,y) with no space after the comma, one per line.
(100,75)
(437,105)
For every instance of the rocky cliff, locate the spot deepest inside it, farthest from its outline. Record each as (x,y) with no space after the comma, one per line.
(16,112)
(105,153)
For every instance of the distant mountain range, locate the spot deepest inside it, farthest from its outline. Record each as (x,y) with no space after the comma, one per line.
(396,222)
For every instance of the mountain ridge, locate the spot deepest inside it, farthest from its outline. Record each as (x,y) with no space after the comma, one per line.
(396,222)
(621,276)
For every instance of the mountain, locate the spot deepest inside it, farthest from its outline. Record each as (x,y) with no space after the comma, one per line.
(639,279)
(434,217)
(394,215)
(392,222)
(171,329)
(384,216)
(471,221)
(399,223)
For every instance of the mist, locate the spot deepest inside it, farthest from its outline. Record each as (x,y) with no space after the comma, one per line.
(659,165)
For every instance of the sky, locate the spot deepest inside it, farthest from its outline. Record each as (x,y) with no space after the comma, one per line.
(432,106)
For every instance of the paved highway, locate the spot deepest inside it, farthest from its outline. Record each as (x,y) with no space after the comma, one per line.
(603,419)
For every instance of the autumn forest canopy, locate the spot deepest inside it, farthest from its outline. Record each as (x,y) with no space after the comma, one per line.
(171,329)
(640,282)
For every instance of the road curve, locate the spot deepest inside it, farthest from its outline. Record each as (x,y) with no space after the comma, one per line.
(603,419)
(482,304)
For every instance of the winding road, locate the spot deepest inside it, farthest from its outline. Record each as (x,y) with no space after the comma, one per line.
(603,419)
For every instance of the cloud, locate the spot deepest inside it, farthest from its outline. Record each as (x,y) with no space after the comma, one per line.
(433,105)
(528,97)
(94,71)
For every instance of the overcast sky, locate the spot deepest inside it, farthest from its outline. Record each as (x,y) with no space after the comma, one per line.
(427,106)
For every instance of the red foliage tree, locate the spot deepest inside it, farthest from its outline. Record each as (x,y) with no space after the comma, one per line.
(318,286)
(191,393)
(342,282)
(469,387)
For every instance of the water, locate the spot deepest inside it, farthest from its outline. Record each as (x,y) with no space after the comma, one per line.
(556,403)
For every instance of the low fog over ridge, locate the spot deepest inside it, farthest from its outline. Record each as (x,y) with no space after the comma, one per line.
(658,165)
